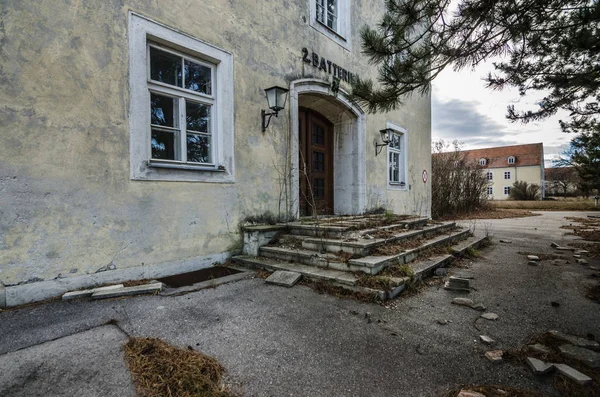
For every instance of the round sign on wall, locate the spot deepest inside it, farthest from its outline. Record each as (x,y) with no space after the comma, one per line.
(425,176)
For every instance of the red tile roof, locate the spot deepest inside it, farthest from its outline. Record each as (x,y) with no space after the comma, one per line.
(497,157)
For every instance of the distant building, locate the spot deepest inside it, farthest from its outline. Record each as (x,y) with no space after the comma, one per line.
(561,181)
(505,165)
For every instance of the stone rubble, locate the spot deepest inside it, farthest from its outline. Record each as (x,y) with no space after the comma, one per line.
(490,316)
(575,340)
(494,356)
(486,339)
(533,257)
(539,367)
(539,348)
(458,284)
(581,354)
(532,263)
(462,302)
(573,374)
(581,261)
(468,393)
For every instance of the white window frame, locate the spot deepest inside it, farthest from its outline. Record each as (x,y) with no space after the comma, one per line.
(507,175)
(506,190)
(489,176)
(341,34)
(511,160)
(402,183)
(482,162)
(144,33)
(490,191)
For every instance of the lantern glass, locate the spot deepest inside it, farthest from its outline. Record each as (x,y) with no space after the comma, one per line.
(386,135)
(276,98)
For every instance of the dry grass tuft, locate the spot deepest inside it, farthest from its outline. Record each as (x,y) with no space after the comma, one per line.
(493,213)
(160,369)
(323,287)
(548,205)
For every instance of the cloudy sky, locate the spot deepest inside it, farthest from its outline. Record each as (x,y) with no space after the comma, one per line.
(463,109)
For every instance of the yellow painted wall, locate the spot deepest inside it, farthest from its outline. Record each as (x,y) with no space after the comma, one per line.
(68,206)
(529,174)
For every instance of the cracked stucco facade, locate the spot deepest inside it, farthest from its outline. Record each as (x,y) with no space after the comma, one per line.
(68,207)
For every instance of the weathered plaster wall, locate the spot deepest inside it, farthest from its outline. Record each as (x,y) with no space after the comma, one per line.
(67,204)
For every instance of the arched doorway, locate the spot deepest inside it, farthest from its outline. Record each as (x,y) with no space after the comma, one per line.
(332,170)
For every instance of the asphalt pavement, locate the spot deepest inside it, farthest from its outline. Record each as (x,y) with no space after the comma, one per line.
(276,341)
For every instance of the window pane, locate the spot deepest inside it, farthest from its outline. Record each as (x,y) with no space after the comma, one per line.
(318,134)
(198,148)
(165,67)
(197,117)
(198,77)
(164,111)
(332,14)
(164,144)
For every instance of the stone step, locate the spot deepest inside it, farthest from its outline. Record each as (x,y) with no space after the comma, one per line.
(340,277)
(299,255)
(338,229)
(363,246)
(373,264)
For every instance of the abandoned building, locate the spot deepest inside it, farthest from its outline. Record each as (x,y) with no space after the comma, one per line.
(138,136)
(505,165)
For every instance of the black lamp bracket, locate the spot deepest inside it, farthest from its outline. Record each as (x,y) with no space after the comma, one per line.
(265,121)
(379,147)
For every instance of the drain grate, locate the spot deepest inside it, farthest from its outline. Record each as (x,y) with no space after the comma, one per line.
(184,279)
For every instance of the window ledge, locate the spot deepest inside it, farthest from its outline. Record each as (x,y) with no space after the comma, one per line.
(397,186)
(184,166)
(330,30)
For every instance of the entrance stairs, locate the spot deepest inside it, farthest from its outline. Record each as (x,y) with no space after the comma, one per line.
(379,255)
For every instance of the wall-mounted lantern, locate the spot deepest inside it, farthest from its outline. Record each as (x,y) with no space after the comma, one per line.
(386,137)
(276,98)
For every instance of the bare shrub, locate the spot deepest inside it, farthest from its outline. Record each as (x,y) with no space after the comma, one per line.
(458,185)
(521,190)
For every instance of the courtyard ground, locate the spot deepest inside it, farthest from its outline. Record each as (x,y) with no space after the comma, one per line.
(275,341)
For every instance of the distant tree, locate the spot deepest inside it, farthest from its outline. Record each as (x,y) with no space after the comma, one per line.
(458,185)
(562,178)
(549,46)
(521,190)
(584,155)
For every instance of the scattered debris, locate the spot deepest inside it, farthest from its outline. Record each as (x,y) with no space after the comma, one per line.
(467,393)
(494,356)
(283,278)
(479,307)
(465,274)
(575,340)
(506,241)
(539,367)
(442,322)
(533,257)
(463,302)
(582,252)
(86,293)
(554,245)
(556,262)
(486,339)
(532,263)
(137,290)
(159,369)
(539,348)
(458,284)
(581,261)
(581,354)
(573,374)
(441,272)
(490,316)
(576,256)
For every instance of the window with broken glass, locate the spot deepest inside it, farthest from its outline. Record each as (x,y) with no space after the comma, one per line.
(182,106)
(395,162)
(327,13)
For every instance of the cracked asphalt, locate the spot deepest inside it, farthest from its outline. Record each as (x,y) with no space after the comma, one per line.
(276,341)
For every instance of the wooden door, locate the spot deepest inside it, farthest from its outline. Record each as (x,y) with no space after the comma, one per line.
(316,163)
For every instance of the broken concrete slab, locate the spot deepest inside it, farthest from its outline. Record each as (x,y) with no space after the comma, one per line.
(458,284)
(532,263)
(494,356)
(283,278)
(539,367)
(462,302)
(490,316)
(85,293)
(464,274)
(533,257)
(539,348)
(486,339)
(479,307)
(441,272)
(581,354)
(137,290)
(573,374)
(575,340)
